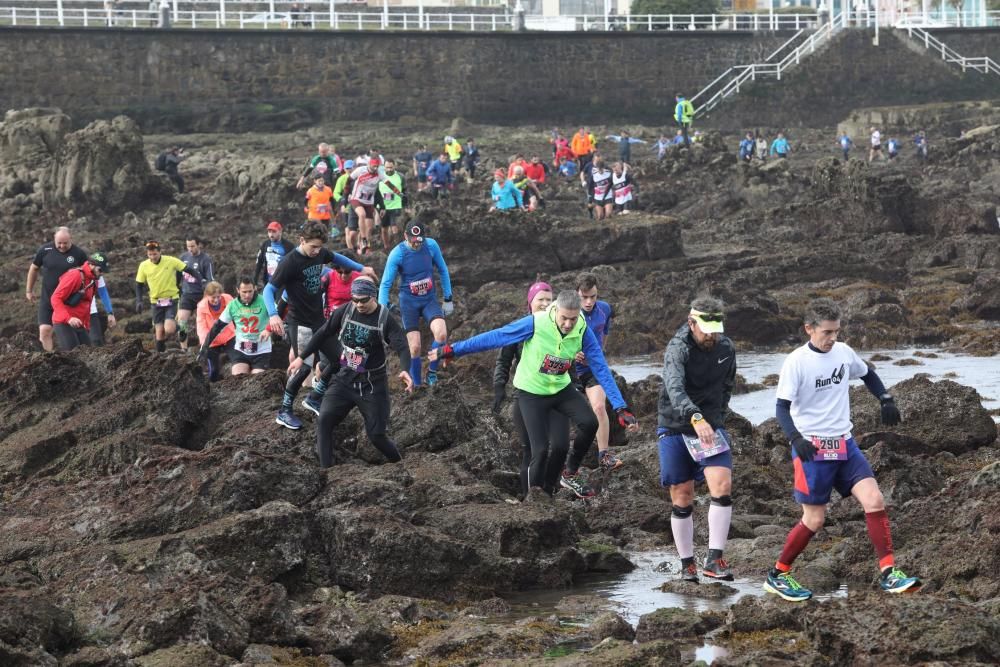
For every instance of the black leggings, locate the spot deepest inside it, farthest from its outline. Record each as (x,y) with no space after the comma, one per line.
(372,400)
(558,442)
(69,338)
(97,325)
(535,410)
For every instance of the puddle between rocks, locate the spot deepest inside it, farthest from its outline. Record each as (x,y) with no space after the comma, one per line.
(637,593)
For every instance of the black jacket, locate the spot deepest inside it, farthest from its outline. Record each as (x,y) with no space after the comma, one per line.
(696,381)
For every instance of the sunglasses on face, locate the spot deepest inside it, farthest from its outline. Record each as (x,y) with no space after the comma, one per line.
(711,317)
(362,301)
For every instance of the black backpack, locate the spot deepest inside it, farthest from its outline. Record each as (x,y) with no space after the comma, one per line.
(161,161)
(75,298)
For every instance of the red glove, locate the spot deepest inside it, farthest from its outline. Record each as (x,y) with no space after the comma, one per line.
(625,417)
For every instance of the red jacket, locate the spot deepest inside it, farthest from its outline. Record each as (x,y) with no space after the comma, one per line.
(535,172)
(69,283)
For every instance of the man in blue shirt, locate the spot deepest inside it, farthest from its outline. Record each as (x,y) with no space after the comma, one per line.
(440,176)
(421,160)
(845,145)
(598,315)
(779,147)
(746,148)
(414,261)
(893,147)
(271,253)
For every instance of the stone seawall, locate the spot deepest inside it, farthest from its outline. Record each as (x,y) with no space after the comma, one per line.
(187,80)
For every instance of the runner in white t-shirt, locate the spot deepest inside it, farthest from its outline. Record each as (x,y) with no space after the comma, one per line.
(876,148)
(814,411)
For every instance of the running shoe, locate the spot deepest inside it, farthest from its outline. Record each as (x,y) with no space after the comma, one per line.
(312,402)
(785,587)
(895,581)
(717,569)
(432,378)
(288,419)
(576,484)
(689,573)
(364,249)
(608,461)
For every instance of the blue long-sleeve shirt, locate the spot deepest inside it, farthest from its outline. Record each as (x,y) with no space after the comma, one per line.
(440,173)
(414,267)
(779,146)
(506,196)
(746,148)
(105,297)
(523,329)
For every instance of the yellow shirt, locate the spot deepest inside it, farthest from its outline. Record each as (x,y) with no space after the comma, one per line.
(454,150)
(161,278)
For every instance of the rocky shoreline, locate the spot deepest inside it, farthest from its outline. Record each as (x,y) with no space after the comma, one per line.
(152,519)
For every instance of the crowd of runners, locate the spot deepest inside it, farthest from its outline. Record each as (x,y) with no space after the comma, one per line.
(341,318)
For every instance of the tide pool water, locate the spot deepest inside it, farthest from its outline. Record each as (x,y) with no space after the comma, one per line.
(983,373)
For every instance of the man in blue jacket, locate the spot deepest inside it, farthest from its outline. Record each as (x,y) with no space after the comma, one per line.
(414,261)
(440,176)
(746,148)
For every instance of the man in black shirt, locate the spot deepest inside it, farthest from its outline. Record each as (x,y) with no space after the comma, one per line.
(53,260)
(355,338)
(300,275)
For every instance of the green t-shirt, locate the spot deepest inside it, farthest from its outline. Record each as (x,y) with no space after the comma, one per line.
(393,202)
(249,322)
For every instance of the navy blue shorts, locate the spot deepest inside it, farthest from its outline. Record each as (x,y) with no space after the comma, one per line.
(676,464)
(814,480)
(411,309)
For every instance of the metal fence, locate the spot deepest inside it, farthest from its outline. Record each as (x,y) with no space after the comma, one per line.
(247,14)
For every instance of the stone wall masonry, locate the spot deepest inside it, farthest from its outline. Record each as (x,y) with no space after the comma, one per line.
(852,74)
(185,80)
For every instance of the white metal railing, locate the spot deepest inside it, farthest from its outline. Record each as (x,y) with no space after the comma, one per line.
(983,64)
(268,14)
(730,82)
(246,14)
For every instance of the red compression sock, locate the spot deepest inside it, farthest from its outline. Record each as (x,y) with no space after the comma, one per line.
(797,540)
(881,537)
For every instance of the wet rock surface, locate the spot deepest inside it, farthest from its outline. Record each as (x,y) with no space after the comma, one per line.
(151,518)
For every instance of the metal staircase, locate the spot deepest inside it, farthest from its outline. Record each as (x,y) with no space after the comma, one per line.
(730,81)
(982,64)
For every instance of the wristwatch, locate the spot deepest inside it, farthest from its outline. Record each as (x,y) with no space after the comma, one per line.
(697,417)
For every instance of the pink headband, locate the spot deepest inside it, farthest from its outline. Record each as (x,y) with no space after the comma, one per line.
(535,289)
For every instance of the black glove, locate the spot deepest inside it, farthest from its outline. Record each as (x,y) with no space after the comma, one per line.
(499,394)
(138,305)
(804,448)
(625,417)
(890,413)
(446,352)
